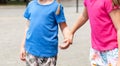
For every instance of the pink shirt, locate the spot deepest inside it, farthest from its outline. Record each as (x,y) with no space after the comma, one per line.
(103,33)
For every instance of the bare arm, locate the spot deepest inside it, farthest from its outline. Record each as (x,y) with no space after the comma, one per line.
(81,21)
(22,50)
(66,34)
(69,34)
(64,29)
(26,28)
(115,15)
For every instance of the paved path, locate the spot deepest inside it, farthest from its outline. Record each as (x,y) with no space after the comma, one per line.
(11,33)
(71,2)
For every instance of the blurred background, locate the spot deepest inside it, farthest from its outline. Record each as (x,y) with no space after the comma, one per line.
(20,2)
(13,1)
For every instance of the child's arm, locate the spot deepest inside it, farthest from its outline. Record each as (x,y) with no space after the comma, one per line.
(22,50)
(66,34)
(115,16)
(81,21)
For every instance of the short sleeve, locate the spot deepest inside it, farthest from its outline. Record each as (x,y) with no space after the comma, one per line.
(109,6)
(84,2)
(27,12)
(60,17)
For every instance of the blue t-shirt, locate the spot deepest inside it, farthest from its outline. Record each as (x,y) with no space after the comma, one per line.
(42,35)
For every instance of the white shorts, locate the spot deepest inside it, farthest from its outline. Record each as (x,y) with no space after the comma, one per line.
(103,58)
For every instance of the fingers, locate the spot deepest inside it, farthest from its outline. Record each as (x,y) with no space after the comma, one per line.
(71,39)
(65,45)
(70,42)
(23,55)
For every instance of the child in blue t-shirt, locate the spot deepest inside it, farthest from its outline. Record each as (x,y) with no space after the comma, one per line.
(40,43)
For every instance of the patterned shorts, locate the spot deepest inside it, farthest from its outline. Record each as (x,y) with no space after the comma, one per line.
(104,58)
(38,61)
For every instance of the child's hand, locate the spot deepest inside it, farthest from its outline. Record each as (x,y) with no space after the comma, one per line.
(67,42)
(23,54)
(65,45)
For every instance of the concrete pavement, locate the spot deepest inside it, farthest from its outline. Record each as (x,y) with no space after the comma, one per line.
(11,34)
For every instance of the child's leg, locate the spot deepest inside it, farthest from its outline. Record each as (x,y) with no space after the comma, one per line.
(38,61)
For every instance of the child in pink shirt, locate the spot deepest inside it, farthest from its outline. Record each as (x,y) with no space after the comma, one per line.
(104,16)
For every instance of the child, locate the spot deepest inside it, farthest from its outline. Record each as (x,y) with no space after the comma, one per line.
(104,16)
(40,43)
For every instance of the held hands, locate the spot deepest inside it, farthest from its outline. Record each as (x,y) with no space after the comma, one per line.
(67,42)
